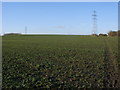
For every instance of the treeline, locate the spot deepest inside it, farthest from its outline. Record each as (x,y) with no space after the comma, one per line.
(12,34)
(111,33)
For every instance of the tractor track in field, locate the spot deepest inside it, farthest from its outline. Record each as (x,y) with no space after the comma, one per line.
(111,77)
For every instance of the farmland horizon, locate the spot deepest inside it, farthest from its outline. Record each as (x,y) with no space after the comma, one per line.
(54,33)
(45,33)
(60,45)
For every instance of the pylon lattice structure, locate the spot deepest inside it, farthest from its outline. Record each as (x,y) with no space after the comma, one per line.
(94,22)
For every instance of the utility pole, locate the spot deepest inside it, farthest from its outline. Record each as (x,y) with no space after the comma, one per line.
(25,29)
(94,22)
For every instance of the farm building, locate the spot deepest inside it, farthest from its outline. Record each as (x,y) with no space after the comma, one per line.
(113,33)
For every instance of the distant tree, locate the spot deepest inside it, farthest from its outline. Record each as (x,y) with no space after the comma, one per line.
(102,34)
(94,35)
(12,34)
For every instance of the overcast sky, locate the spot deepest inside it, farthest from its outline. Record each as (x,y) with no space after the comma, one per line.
(59,17)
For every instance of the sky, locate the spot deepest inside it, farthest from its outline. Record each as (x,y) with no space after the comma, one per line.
(58,17)
(0,17)
(60,0)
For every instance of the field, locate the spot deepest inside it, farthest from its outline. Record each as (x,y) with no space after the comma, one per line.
(60,61)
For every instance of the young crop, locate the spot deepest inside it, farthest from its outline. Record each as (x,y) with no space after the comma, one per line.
(55,61)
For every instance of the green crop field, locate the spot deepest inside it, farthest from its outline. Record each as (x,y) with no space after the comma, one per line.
(60,61)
